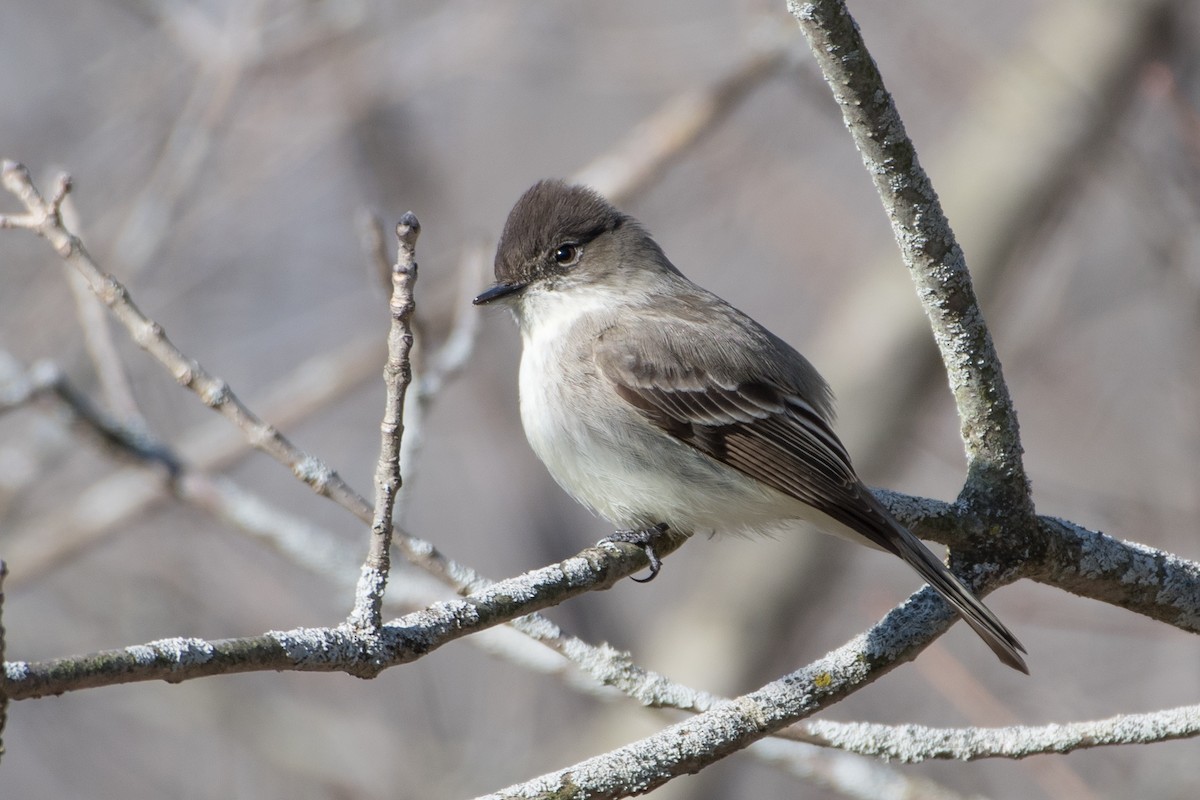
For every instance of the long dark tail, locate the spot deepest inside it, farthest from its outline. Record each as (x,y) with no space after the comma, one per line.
(969,607)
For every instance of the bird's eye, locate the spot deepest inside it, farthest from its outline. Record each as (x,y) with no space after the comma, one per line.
(567,255)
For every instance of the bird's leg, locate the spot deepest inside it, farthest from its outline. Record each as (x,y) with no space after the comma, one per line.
(643,538)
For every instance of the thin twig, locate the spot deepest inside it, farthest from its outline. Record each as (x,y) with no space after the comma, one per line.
(129,440)
(374,245)
(397,374)
(96,325)
(121,495)
(44,219)
(434,370)
(224,56)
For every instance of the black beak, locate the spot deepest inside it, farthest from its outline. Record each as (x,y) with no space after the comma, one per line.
(498,291)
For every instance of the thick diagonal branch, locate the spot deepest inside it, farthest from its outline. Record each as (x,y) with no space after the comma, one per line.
(988,420)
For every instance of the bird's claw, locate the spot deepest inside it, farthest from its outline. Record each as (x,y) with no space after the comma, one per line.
(643,538)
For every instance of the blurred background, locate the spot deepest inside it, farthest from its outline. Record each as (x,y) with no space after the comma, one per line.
(222,153)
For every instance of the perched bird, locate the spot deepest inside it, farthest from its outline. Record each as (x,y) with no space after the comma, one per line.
(658,405)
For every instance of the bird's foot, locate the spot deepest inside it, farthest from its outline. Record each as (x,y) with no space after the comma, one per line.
(643,538)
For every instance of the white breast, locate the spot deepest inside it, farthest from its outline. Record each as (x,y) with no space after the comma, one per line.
(605,453)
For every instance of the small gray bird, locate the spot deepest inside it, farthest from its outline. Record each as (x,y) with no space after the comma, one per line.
(658,405)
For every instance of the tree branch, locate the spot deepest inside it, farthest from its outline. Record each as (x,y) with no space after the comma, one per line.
(1128,575)
(662,137)
(913,743)
(397,374)
(689,746)
(988,421)
(850,775)
(43,217)
(339,649)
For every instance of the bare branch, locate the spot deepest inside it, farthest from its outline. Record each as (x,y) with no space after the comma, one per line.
(434,370)
(98,339)
(374,246)
(342,648)
(122,494)
(44,219)
(1128,575)
(728,727)
(655,142)
(848,774)
(45,377)
(397,374)
(449,359)
(913,743)
(996,475)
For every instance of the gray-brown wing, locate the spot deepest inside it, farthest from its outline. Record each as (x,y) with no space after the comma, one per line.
(754,426)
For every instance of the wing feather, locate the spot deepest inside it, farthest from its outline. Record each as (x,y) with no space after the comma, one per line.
(760,428)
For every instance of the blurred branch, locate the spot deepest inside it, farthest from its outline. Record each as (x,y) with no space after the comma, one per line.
(374,245)
(45,377)
(118,497)
(223,55)
(650,147)
(1025,139)
(397,374)
(44,219)
(98,340)
(434,370)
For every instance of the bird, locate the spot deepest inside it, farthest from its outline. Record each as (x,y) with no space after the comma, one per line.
(660,406)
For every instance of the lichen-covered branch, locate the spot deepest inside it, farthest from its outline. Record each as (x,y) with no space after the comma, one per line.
(1128,575)
(728,727)
(850,775)
(913,743)
(988,421)
(338,649)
